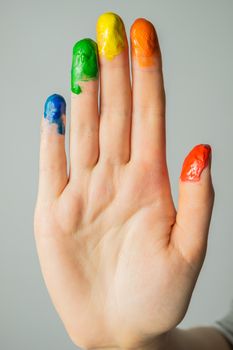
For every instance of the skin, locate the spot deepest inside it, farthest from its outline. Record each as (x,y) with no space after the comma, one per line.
(119,261)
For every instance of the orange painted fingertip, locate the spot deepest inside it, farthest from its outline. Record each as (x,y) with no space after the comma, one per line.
(195,162)
(144,42)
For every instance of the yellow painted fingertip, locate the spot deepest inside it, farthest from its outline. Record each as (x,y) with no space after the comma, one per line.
(110,35)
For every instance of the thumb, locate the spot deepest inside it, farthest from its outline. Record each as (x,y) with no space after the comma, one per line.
(196,198)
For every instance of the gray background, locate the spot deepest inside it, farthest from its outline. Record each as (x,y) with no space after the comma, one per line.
(36,39)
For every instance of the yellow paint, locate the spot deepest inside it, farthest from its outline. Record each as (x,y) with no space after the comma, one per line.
(110,35)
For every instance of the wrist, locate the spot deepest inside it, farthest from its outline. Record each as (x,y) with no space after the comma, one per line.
(157,343)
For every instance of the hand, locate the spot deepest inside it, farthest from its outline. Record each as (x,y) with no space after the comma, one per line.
(119,263)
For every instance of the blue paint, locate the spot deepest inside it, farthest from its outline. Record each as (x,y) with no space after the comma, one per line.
(54,109)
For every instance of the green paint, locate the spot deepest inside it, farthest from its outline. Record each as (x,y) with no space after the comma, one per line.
(84,63)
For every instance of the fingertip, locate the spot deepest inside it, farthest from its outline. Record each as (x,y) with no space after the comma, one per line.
(85,66)
(143,25)
(198,159)
(144,43)
(111,36)
(54,112)
(196,187)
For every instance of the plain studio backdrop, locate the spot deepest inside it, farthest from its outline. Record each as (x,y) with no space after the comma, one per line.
(36,39)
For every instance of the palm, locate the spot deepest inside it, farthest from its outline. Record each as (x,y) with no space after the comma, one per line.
(115,263)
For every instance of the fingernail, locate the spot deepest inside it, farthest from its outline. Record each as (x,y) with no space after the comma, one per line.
(54,110)
(84,64)
(110,35)
(196,161)
(144,42)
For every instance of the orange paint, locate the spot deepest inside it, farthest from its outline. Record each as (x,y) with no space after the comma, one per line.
(195,163)
(144,42)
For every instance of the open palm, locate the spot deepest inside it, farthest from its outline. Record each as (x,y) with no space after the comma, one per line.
(120,264)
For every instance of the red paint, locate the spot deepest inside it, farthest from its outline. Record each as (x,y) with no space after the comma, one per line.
(195,162)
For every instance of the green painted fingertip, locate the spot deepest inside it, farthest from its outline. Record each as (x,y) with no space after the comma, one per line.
(84,63)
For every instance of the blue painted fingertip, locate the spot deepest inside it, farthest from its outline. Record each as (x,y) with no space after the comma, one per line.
(54,109)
